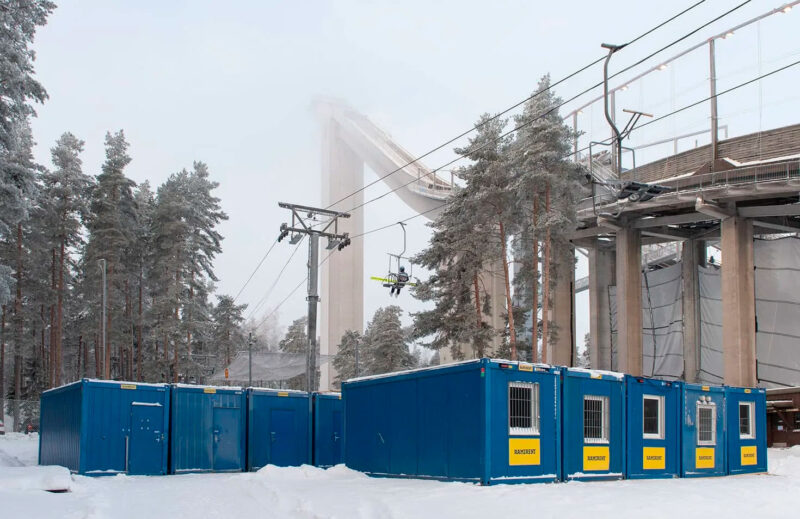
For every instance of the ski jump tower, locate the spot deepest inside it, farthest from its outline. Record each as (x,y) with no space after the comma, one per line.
(350,140)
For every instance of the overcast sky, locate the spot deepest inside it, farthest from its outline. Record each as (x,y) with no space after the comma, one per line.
(231,84)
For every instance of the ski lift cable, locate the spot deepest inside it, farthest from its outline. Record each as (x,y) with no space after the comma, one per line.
(274,283)
(263,258)
(553,85)
(540,116)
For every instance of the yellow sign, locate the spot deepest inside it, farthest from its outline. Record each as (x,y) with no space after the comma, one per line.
(596,458)
(704,458)
(127,386)
(747,391)
(283,393)
(523,451)
(706,388)
(226,373)
(525,367)
(654,458)
(209,390)
(749,456)
(597,375)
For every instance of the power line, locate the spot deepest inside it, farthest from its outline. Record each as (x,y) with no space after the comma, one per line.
(255,270)
(274,283)
(540,116)
(520,103)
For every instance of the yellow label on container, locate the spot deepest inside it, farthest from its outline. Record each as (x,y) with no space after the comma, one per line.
(596,458)
(523,451)
(747,391)
(706,388)
(127,386)
(283,393)
(749,456)
(654,458)
(525,367)
(209,390)
(597,375)
(704,458)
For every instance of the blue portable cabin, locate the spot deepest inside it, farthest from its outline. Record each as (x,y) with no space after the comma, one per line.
(702,431)
(278,428)
(207,429)
(328,438)
(746,429)
(593,415)
(484,421)
(97,427)
(653,428)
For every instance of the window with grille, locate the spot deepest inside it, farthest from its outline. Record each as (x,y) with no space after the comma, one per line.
(746,420)
(595,419)
(653,417)
(706,424)
(523,408)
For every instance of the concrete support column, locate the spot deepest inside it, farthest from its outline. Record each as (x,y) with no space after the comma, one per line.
(629,301)
(693,256)
(738,302)
(562,315)
(602,274)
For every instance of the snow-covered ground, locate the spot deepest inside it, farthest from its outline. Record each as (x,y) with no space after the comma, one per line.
(308,492)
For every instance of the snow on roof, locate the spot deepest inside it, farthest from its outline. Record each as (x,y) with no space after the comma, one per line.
(233,388)
(417,370)
(273,390)
(518,362)
(109,382)
(599,372)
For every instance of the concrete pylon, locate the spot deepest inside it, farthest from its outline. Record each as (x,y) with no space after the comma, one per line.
(738,303)
(342,276)
(693,255)
(629,301)
(602,274)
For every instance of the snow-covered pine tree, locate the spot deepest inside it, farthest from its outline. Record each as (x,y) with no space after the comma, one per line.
(547,186)
(347,361)
(141,275)
(385,348)
(296,341)
(228,332)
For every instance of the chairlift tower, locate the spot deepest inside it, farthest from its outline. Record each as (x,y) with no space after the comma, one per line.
(305,223)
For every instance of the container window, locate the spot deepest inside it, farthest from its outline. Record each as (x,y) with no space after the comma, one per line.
(746,429)
(706,424)
(523,408)
(595,419)
(796,421)
(653,417)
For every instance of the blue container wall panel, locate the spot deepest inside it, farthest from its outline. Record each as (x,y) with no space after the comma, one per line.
(328,437)
(428,423)
(653,452)
(703,449)
(515,453)
(594,450)
(60,427)
(207,429)
(278,428)
(746,431)
(109,410)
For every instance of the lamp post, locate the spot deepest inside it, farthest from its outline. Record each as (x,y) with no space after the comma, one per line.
(103,266)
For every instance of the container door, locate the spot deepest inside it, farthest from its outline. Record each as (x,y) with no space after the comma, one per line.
(145,450)
(227,436)
(282,438)
(338,444)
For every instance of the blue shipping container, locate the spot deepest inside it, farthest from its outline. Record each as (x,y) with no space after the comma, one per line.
(746,430)
(278,424)
(653,432)
(207,429)
(703,431)
(484,421)
(593,425)
(328,429)
(98,427)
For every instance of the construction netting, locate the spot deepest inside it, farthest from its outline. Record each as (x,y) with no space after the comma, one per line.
(267,367)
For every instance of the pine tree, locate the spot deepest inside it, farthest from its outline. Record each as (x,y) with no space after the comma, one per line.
(296,341)
(228,331)
(347,361)
(385,348)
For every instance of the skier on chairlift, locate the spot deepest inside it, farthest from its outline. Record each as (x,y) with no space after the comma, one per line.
(402,279)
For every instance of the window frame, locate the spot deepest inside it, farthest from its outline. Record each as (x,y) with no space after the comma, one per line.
(534,429)
(661,426)
(750,418)
(605,433)
(713,408)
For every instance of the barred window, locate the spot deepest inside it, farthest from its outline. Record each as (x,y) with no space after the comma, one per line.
(746,420)
(523,408)
(706,424)
(653,417)
(595,419)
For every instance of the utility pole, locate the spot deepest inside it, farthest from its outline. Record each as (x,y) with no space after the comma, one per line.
(617,144)
(250,359)
(304,222)
(103,264)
